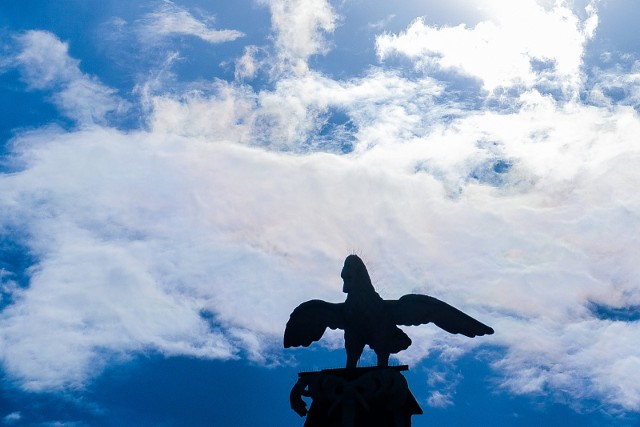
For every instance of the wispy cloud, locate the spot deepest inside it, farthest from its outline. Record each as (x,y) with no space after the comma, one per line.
(173,20)
(45,64)
(382,23)
(300,27)
(442,387)
(619,84)
(247,66)
(12,418)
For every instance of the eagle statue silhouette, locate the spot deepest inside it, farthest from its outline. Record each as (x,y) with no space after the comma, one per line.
(367,319)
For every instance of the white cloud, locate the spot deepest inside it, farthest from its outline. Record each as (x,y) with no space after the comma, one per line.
(291,116)
(45,64)
(442,388)
(500,51)
(171,20)
(45,60)
(246,67)
(438,399)
(616,85)
(299,27)
(221,111)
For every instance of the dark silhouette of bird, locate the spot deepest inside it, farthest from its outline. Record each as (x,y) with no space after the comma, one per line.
(367,319)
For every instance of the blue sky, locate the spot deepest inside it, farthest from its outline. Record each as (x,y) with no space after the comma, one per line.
(176,177)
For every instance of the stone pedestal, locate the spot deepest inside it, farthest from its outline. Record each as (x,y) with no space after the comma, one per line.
(359,397)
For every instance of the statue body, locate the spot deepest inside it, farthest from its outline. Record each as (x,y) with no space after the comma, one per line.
(367,319)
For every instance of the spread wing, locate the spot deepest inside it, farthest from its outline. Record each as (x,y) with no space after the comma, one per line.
(418,309)
(309,321)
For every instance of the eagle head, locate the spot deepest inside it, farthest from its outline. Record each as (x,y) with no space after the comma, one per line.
(355,275)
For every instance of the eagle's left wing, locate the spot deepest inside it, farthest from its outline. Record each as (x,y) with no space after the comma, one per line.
(418,309)
(309,321)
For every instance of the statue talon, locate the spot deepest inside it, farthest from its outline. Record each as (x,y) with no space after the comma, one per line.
(295,397)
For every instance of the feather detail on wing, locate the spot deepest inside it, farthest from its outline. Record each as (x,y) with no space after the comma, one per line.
(309,321)
(418,309)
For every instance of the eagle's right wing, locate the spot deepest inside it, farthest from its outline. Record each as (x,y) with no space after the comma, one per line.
(419,309)
(309,321)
